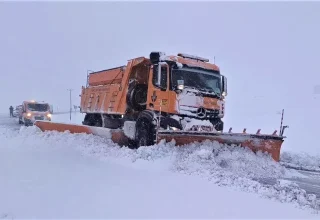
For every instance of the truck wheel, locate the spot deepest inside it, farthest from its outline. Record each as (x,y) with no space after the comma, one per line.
(137,97)
(112,123)
(145,135)
(26,124)
(92,120)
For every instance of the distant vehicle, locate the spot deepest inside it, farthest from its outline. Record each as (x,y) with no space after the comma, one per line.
(32,111)
(51,109)
(17,111)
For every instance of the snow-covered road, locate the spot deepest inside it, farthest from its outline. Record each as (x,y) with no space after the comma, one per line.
(310,182)
(51,175)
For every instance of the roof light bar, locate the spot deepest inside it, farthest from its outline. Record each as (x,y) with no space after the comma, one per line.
(193,57)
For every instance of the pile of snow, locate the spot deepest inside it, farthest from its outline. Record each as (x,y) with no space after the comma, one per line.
(45,177)
(229,166)
(301,161)
(192,123)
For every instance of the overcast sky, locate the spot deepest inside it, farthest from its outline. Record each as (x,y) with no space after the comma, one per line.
(268,51)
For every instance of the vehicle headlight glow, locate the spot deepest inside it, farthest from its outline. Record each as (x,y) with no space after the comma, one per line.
(49,115)
(29,114)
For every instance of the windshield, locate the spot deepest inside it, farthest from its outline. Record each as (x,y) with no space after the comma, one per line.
(38,107)
(197,79)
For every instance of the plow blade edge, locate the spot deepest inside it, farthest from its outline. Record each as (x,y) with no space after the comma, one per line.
(255,142)
(115,135)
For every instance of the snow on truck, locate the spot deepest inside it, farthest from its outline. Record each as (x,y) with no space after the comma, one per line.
(180,98)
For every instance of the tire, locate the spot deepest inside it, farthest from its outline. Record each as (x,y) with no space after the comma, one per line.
(112,123)
(88,120)
(137,97)
(145,131)
(92,120)
(144,137)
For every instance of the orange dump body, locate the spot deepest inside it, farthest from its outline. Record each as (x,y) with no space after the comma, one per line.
(105,77)
(107,89)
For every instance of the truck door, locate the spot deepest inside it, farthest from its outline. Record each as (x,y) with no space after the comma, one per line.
(158,95)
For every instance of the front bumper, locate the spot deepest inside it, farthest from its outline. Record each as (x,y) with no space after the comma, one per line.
(201,113)
(32,119)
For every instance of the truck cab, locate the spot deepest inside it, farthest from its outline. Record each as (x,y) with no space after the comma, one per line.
(188,89)
(32,111)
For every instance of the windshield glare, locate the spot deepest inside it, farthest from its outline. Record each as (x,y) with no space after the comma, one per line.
(198,79)
(37,107)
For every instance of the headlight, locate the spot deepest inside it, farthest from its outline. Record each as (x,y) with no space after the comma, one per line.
(49,115)
(29,114)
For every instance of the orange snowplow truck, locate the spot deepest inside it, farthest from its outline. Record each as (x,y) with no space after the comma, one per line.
(170,98)
(182,92)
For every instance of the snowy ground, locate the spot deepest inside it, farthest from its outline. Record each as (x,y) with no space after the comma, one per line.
(301,161)
(59,175)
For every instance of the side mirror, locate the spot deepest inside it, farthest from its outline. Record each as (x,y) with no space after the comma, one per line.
(224,88)
(158,79)
(180,83)
(159,76)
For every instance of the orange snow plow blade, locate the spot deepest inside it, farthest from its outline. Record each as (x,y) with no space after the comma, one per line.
(115,135)
(255,142)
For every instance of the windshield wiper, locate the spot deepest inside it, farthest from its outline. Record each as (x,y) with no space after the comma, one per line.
(202,90)
(210,91)
(191,87)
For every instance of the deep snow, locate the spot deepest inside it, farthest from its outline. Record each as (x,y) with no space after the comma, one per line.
(58,175)
(300,160)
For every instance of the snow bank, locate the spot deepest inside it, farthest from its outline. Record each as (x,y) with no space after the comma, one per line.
(302,161)
(226,166)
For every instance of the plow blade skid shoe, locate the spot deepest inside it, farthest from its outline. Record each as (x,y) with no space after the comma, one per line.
(255,142)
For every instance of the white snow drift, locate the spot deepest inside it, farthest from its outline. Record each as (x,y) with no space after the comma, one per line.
(234,167)
(302,161)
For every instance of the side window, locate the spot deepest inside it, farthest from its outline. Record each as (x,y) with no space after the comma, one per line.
(164,76)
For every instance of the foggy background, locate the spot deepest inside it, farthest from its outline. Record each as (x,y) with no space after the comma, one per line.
(268,51)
